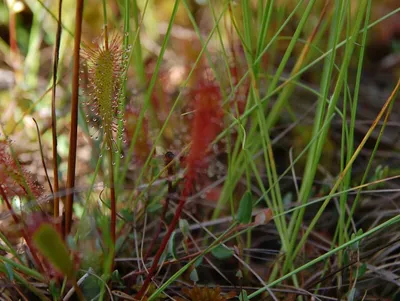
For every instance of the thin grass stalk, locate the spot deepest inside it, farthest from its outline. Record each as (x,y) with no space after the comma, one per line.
(367,169)
(137,54)
(10,249)
(354,111)
(14,55)
(42,156)
(303,70)
(113,203)
(105,24)
(56,199)
(31,64)
(321,114)
(137,47)
(74,118)
(147,106)
(348,138)
(286,93)
(127,29)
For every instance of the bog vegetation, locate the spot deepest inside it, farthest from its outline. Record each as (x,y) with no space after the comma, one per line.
(199,150)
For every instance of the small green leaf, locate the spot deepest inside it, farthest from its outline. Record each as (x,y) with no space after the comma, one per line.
(152,208)
(198,261)
(287,199)
(352,294)
(346,258)
(245,208)
(116,277)
(164,255)
(221,252)
(128,215)
(239,274)
(54,289)
(355,246)
(10,271)
(171,246)
(243,296)
(361,270)
(49,243)
(194,276)
(184,226)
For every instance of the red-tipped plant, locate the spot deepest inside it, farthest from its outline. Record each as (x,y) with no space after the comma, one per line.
(206,125)
(15,181)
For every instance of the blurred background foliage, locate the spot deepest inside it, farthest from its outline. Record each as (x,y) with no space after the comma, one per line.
(27,36)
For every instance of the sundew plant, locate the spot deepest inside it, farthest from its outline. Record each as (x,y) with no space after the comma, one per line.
(199,150)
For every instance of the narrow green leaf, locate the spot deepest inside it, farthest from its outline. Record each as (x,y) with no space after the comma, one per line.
(198,261)
(116,277)
(356,245)
(49,243)
(10,271)
(361,270)
(245,208)
(184,226)
(154,207)
(54,290)
(346,258)
(221,252)
(194,276)
(243,296)
(171,246)
(352,294)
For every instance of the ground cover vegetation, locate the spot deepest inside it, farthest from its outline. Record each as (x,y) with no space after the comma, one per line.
(199,150)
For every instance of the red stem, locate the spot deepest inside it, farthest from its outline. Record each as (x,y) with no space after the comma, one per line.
(186,192)
(74,119)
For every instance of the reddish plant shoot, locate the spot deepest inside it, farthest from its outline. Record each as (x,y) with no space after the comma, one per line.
(15,180)
(207,123)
